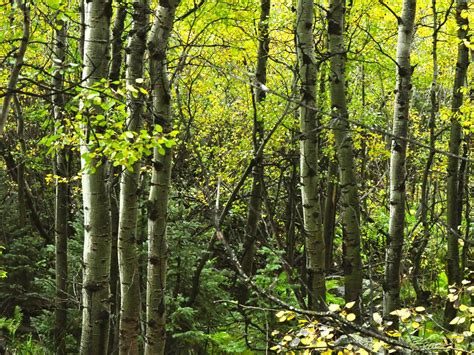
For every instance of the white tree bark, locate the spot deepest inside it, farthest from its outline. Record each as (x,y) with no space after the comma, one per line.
(314,238)
(393,256)
(160,181)
(345,155)
(97,240)
(127,230)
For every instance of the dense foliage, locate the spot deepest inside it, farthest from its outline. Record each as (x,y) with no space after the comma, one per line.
(222,100)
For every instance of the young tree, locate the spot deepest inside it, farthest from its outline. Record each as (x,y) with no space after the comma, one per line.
(453,190)
(129,181)
(344,149)
(61,171)
(393,255)
(160,180)
(255,202)
(309,170)
(97,240)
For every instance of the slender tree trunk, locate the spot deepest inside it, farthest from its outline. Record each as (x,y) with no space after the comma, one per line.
(255,203)
(309,170)
(61,216)
(116,63)
(160,181)
(112,182)
(116,43)
(452,208)
(419,245)
(21,163)
(352,262)
(127,238)
(393,256)
(329,221)
(97,238)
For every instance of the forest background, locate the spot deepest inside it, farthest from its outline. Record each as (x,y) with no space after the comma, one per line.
(240,176)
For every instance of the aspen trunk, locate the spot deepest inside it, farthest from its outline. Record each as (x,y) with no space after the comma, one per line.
(309,170)
(61,215)
(352,262)
(127,232)
(255,203)
(393,256)
(419,244)
(116,43)
(160,181)
(452,208)
(97,240)
(115,67)
(329,221)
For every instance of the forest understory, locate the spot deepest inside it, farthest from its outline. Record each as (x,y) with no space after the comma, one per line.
(236,177)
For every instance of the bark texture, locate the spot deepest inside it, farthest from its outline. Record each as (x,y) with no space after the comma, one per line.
(309,170)
(255,202)
(420,243)
(393,255)
(61,216)
(453,188)
(127,231)
(352,263)
(160,181)
(97,240)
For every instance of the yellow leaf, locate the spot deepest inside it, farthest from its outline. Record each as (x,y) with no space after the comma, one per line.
(415,325)
(287,338)
(321,344)
(280,314)
(350,305)
(362,352)
(351,317)
(452,297)
(377,345)
(377,318)
(306,341)
(334,307)
(463,308)
(420,309)
(455,320)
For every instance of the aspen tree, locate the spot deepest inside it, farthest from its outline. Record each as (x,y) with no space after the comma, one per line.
(160,180)
(97,239)
(352,263)
(61,208)
(255,202)
(393,255)
(453,189)
(129,181)
(309,170)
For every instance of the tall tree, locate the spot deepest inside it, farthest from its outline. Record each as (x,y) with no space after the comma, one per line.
(345,155)
(255,202)
(129,181)
(160,180)
(309,170)
(419,244)
(393,255)
(61,173)
(115,70)
(97,240)
(453,189)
